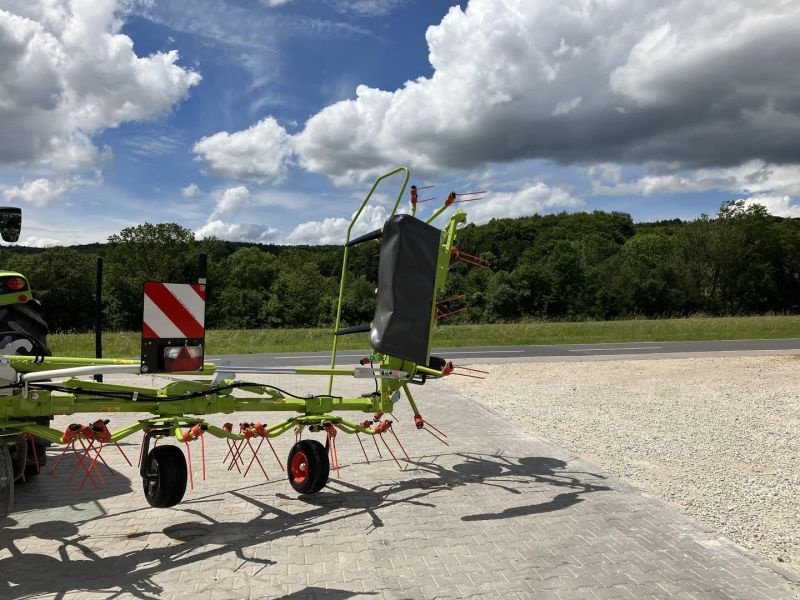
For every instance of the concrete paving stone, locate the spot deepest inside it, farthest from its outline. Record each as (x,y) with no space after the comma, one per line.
(496,515)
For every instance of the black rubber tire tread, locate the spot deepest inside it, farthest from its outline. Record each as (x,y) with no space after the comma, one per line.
(26,318)
(318,466)
(6,482)
(170,486)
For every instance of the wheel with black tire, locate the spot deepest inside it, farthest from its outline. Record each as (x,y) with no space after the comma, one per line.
(165,476)
(6,481)
(23,331)
(309,466)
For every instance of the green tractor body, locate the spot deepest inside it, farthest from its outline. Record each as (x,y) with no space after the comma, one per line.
(14,288)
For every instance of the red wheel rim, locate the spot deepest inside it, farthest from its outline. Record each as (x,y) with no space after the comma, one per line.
(299,467)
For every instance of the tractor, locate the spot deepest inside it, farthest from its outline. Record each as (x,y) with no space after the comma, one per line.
(23,331)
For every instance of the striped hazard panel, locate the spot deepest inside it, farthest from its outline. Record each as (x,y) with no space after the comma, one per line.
(174,310)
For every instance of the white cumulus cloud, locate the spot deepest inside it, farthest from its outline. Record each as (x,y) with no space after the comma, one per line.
(67,74)
(751,177)
(692,83)
(780,206)
(39,192)
(40,242)
(190,191)
(231,200)
(238,232)
(532,199)
(332,230)
(259,153)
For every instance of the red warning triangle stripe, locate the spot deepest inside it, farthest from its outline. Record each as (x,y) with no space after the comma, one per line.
(148,333)
(175,311)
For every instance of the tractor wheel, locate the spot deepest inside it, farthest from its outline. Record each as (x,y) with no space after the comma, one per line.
(6,481)
(165,476)
(27,321)
(23,331)
(308,466)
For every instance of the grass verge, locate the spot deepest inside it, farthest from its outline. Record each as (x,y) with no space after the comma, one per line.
(225,341)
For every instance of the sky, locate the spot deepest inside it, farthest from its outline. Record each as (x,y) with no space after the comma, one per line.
(267,121)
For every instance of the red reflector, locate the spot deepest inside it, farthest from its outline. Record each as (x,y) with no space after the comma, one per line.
(183,358)
(16,283)
(22,298)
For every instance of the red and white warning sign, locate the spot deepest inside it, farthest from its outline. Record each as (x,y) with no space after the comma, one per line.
(173,327)
(174,310)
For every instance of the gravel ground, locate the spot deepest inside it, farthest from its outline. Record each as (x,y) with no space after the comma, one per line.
(718,438)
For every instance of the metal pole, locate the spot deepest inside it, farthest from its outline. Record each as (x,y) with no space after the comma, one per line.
(202,268)
(98,315)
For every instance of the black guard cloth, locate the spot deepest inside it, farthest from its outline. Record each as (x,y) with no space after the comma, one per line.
(406,278)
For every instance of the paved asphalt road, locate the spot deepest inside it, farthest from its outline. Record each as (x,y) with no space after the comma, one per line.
(511,353)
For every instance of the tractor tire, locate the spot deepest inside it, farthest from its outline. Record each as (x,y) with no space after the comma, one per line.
(6,481)
(27,320)
(165,476)
(308,467)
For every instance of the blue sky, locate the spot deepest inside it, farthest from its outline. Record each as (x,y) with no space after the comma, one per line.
(266,121)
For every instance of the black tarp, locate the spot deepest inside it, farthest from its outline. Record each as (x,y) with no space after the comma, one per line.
(406,278)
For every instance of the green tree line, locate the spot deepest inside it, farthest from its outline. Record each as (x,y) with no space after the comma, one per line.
(572,266)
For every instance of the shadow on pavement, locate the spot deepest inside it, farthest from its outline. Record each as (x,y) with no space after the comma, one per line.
(133,572)
(61,488)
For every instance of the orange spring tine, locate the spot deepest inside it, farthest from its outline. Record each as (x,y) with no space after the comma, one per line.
(255,454)
(189,460)
(61,456)
(334,460)
(471,193)
(93,465)
(203,455)
(35,455)
(81,457)
(468,369)
(88,473)
(436,429)
(390,452)
(358,437)
(103,460)
(230,450)
(378,448)
(235,455)
(234,462)
(408,458)
(125,456)
(471,376)
(436,436)
(275,454)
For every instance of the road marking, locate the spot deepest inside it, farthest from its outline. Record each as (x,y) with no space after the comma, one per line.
(615,348)
(484,352)
(327,356)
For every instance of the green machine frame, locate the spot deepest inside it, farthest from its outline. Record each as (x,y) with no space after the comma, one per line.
(27,390)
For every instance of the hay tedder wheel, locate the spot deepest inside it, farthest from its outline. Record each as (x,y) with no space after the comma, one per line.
(165,476)
(308,466)
(6,481)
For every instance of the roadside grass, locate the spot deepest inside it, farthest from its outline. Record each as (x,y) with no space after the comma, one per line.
(227,341)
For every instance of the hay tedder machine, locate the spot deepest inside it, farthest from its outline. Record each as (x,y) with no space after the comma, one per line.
(34,386)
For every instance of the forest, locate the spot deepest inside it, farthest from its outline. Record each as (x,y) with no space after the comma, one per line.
(568,266)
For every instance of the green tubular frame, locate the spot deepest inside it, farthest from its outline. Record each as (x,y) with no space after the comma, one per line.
(172,412)
(407,176)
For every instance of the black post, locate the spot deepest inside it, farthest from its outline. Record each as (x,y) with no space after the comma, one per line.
(202,267)
(98,315)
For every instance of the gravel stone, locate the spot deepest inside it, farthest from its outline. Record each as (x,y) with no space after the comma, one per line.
(718,438)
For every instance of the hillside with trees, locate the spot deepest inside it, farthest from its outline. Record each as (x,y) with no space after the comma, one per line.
(566,266)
